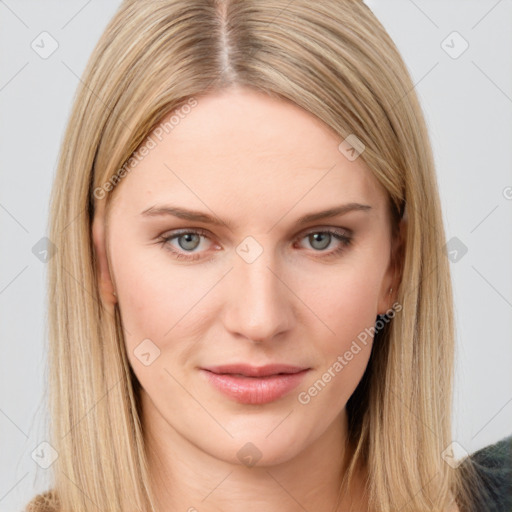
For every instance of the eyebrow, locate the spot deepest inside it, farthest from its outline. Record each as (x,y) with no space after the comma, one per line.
(192,215)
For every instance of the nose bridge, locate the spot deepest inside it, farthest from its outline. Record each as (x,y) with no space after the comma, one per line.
(259,303)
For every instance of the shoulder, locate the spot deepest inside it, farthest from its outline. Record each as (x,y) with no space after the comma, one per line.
(44,502)
(493,465)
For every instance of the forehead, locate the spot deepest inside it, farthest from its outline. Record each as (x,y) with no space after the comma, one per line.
(242,147)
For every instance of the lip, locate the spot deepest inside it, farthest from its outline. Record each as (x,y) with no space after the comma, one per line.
(267,384)
(254,371)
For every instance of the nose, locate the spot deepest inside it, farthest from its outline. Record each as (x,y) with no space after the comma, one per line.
(260,304)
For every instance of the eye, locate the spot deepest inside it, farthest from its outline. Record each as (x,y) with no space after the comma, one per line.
(187,241)
(320,240)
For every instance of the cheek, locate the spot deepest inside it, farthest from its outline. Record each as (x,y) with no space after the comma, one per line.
(157,299)
(346,300)
(343,341)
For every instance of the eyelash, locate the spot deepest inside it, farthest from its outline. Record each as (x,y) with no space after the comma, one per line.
(346,241)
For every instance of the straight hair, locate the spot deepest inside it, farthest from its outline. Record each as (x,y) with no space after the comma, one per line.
(334,59)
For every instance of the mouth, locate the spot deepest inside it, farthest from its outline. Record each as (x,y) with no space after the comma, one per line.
(255,386)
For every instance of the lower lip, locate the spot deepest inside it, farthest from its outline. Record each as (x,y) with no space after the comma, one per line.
(255,390)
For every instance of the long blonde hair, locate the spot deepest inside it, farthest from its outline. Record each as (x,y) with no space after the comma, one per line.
(334,59)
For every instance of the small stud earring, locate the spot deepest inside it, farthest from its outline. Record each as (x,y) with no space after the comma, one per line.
(390,291)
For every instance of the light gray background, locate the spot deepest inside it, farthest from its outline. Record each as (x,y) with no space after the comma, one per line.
(468,106)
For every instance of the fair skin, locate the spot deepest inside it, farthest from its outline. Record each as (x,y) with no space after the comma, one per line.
(257,164)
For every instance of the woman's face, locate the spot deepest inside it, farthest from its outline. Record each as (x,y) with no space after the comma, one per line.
(255,286)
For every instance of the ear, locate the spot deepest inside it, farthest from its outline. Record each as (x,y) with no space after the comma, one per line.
(393,276)
(105,283)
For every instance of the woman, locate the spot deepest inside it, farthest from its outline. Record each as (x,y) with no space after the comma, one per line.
(210,354)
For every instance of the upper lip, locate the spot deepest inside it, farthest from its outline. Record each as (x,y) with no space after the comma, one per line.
(255,371)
